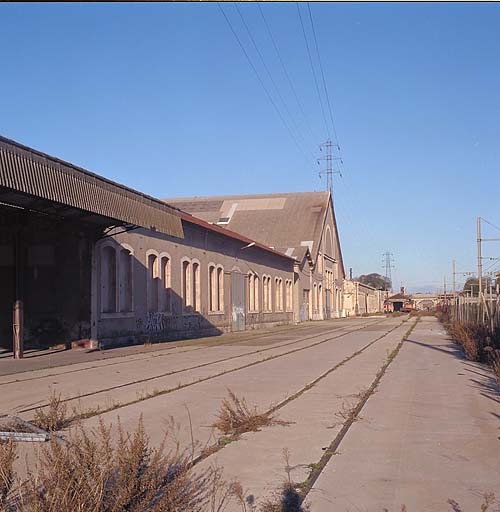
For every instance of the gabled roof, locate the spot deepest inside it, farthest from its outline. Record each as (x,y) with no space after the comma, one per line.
(287,222)
(187,217)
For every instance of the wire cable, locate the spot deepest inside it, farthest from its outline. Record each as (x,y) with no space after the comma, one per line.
(322,74)
(287,75)
(270,98)
(312,69)
(492,225)
(278,93)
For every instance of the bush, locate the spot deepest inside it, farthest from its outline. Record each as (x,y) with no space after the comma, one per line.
(54,417)
(236,417)
(92,473)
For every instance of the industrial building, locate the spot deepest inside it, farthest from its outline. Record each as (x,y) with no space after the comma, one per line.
(362,299)
(89,262)
(301,225)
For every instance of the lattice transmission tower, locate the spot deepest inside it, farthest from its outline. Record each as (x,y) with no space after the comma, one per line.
(388,265)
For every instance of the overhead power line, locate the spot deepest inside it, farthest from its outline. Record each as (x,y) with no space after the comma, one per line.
(269,74)
(287,75)
(322,74)
(491,224)
(313,71)
(270,98)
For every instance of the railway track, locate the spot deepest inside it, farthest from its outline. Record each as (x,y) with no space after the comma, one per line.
(344,332)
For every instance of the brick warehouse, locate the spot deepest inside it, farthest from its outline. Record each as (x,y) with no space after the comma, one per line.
(84,259)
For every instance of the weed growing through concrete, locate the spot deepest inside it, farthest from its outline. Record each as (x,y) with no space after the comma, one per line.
(496,366)
(54,417)
(236,417)
(91,472)
(7,459)
(288,497)
(347,412)
(488,500)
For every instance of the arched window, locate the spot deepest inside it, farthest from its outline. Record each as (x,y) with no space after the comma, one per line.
(216,288)
(279,293)
(256,288)
(153,282)
(126,281)
(288,295)
(253,292)
(267,289)
(196,286)
(220,287)
(108,280)
(165,284)
(187,283)
(264,293)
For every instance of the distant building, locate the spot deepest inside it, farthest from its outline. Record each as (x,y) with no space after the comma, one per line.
(361,299)
(401,302)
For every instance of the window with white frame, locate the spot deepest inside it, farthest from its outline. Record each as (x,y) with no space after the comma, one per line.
(196,300)
(153,281)
(267,295)
(165,299)
(279,294)
(216,288)
(253,292)
(187,283)
(220,289)
(288,295)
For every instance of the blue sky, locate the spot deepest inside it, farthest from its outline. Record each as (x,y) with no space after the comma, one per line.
(160,97)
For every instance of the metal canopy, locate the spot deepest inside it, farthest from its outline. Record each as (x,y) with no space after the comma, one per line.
(33,180)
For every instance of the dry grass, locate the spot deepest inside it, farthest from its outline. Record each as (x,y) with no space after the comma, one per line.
(236,417)
(495,364)
(7,476)
(285,500)
(478,342)
(347,412)
(54,416)
(93,473)
(488,500)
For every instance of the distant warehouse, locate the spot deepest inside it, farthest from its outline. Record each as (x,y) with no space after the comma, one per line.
(85,260)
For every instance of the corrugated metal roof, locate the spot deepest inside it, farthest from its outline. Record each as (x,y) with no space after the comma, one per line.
(27,171)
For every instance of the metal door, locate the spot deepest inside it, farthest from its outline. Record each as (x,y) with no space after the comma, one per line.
(328,310)
(238,301)
(304,307)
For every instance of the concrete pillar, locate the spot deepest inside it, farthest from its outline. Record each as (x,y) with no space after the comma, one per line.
(18,307)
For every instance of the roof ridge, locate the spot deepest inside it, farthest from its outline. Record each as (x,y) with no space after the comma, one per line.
(263,195)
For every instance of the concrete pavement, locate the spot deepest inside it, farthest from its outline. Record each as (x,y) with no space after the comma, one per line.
(428,435)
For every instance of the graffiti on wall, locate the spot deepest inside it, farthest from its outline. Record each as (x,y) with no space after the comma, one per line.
(158,322)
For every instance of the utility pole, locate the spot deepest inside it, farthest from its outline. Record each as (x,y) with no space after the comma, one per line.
(454,279)
(479,258)
(388,262)
(328,158)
